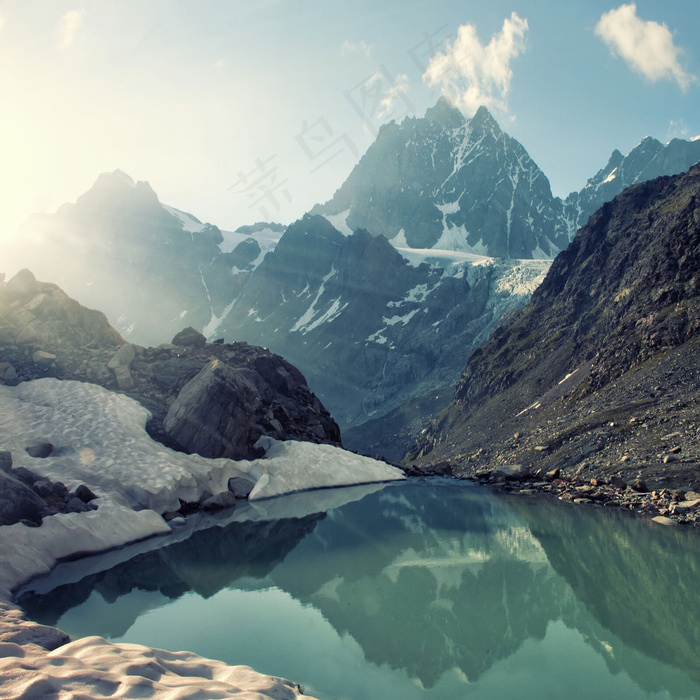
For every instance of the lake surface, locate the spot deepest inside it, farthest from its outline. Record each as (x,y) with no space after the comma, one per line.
(416,590)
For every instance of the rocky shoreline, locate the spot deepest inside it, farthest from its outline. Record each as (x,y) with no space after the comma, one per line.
(664,506)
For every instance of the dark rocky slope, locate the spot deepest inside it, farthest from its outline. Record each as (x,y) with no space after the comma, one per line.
(598,376)
(234,393)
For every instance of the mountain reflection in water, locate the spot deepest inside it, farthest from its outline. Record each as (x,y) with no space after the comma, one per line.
(436,589)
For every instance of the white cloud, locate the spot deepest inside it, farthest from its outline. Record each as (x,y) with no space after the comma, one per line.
(355,47)
(647,47)
(471,74)
(68,27)
(399,89)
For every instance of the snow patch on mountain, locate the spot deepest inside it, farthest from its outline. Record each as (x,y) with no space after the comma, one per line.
(339,222)
(304,324)
(189,223)
(444,258)
(415,295)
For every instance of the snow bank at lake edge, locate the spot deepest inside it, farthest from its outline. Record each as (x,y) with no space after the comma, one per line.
(93,668)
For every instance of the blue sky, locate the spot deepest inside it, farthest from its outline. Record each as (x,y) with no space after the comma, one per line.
(240,111)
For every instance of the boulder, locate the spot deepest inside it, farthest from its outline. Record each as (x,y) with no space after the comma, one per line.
(7,372)
(41,450)
(123,357)
(552,474)
(220,501)
(189,337)
(213,413)
(18,502)
(125,382)
(618,482)
(514,472)
(23,286)
(85,494)
(240,486)
(27,336)
(25,476)
(41,357)
(5,461)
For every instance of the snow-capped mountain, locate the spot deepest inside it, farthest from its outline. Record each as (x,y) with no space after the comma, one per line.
(647,160)
(447,182)
(151,268)
(451,183)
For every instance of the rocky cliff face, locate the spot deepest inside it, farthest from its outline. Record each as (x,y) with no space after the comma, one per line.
(598,372)
(213,399)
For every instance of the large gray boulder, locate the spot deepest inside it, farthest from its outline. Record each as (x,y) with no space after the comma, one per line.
(19,502)
(213,413)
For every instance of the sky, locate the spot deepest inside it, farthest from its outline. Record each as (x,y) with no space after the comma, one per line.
(246,111)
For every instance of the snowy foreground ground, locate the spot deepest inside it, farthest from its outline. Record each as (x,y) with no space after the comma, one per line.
(99,440)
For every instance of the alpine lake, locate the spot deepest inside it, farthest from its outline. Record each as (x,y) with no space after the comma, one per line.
(410,590)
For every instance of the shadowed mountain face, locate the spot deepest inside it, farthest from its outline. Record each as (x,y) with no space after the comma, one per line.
(612,328)
(370,329)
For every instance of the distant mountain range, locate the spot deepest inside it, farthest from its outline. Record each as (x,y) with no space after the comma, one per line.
(380,295)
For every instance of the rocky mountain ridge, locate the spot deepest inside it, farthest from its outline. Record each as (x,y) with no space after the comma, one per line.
(597,376)
(448,182)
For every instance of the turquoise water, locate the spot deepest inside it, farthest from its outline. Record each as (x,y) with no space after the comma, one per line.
(418,590)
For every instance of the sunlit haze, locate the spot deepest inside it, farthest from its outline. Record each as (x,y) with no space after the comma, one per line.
(200,99)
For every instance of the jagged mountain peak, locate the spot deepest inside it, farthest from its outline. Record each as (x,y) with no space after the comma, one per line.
(483,119)
(445,114)
(446,182)
(116,189)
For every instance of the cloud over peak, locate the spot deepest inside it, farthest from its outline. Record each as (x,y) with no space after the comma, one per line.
(471,74)
(68,27)
(646,46)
